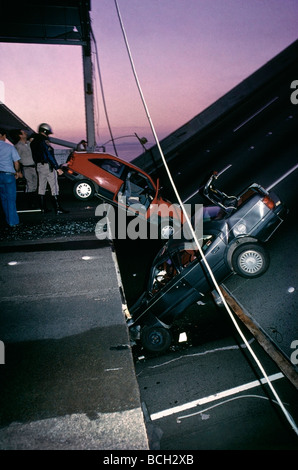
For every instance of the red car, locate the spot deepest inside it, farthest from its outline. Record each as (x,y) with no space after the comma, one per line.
(123,185)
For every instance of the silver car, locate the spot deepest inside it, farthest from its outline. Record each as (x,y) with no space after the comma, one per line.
(234,233)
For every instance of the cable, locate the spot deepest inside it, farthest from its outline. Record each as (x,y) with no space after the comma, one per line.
(179,418)
(102,92)
(287,415)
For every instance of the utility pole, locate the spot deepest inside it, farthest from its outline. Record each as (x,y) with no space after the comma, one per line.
(88,87)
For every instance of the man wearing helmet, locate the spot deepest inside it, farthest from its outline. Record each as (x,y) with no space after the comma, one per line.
(47,167)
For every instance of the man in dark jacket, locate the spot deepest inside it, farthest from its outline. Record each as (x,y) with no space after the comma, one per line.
(47,167)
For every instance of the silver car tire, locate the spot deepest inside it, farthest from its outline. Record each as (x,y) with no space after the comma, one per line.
(83,190)
(250,260)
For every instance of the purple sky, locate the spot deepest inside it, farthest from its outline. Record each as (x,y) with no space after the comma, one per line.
(187,53)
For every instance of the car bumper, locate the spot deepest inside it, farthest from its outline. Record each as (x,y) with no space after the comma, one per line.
(70,174)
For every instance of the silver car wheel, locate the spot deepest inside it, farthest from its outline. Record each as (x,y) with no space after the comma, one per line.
(84,190)
(251,261)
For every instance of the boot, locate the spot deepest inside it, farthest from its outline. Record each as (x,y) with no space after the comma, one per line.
(57,207)
(43,204)
(31,200)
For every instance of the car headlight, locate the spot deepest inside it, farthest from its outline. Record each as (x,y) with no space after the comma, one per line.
(239,229)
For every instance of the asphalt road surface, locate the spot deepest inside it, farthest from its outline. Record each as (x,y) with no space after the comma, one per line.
(207,395)
(67,357)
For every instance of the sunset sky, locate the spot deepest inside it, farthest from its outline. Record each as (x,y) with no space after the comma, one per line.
(187,53)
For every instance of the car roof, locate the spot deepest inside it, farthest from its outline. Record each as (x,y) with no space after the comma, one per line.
(103,155)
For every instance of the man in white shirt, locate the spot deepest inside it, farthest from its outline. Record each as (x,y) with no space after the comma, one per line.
(28,165)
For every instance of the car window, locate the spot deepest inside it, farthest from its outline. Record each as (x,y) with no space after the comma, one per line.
(254,190)
(169,263)
(163,272)
(139,183)
(186,257)
(111,166)
(213,213)
(136,189)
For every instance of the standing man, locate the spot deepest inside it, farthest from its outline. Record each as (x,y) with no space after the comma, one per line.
(47,167)
(28,164)
(10,170)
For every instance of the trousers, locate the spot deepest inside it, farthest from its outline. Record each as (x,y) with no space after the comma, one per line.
(30,176)
(8,196)
(46,175)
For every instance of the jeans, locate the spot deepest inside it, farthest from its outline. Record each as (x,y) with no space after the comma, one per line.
(8,196)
